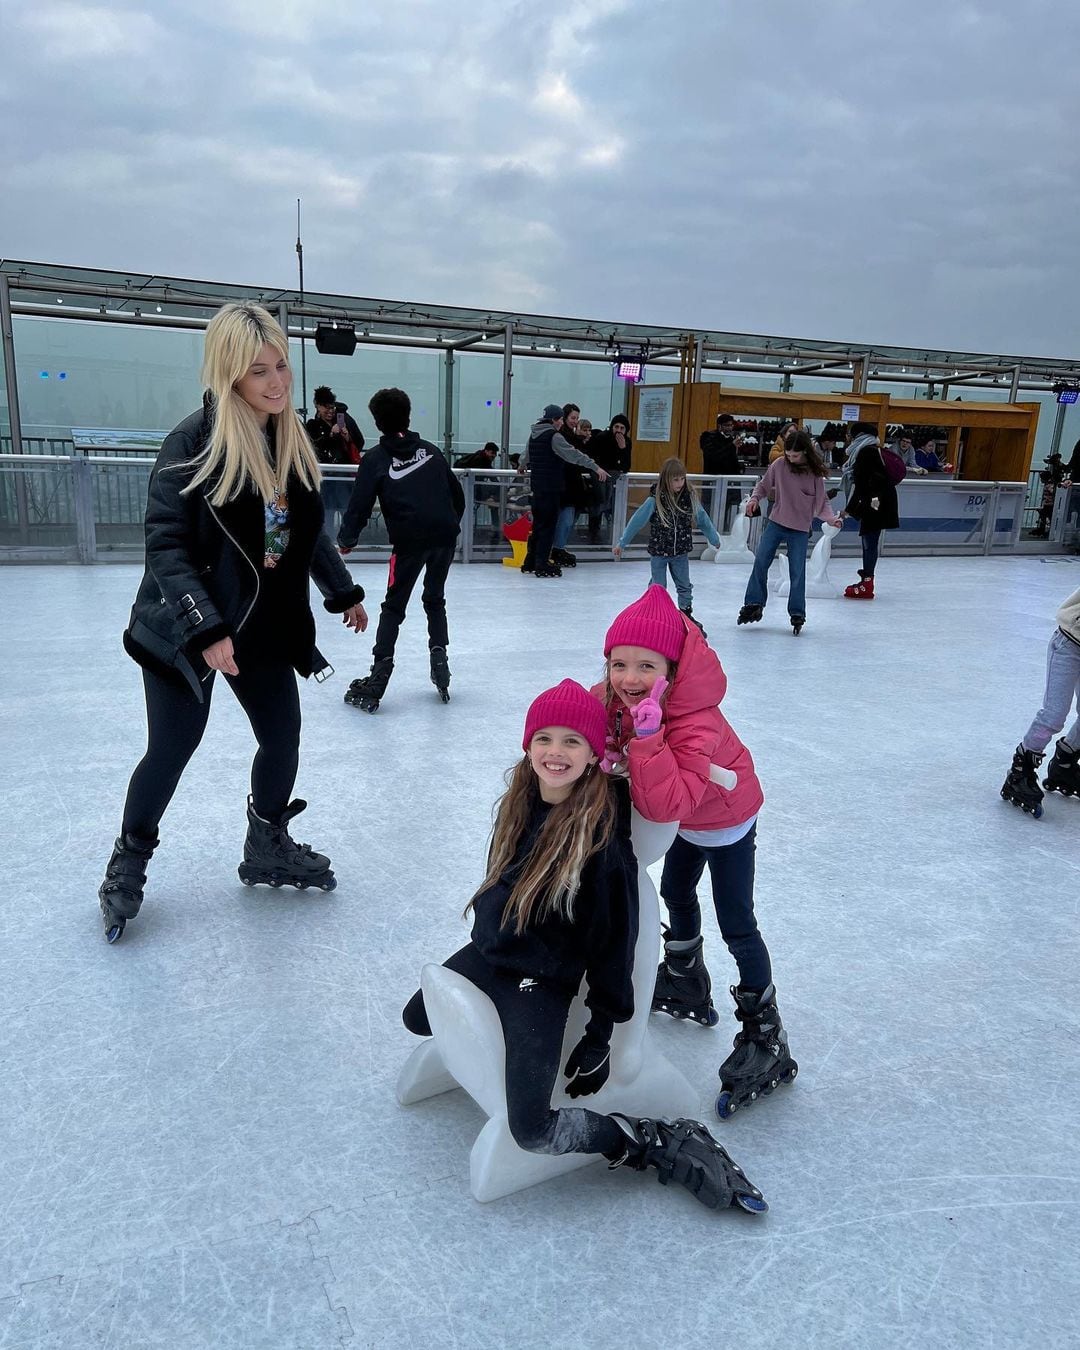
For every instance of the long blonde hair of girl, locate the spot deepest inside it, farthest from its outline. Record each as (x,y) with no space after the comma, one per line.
(235,456)
(668,505)
(574,830)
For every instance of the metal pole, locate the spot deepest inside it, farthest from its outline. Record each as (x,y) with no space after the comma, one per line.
(864,373)
(303,340)
(785,382)
(508,375)
(1059,426)
(1014,388)
(11,379)
(448,404)
(699,358)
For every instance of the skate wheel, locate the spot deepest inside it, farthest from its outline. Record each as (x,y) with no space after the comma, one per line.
(330,884)
(114,934)
(791,1074)
(444,694)
(712,1018)
(275,882)
(1037,812)
(725,1107)
(247,881)
(752,1204)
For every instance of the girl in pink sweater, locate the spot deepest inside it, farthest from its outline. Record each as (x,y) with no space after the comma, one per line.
(795,484)
(686,764)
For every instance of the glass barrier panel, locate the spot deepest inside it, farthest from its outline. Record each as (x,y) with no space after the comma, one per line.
(37,506)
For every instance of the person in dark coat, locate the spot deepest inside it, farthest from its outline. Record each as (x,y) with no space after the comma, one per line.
(612,449)
(337,440)
(720,456)
(871,500)
(233,533)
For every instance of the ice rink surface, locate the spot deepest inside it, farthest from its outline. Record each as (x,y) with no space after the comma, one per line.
(199,1141)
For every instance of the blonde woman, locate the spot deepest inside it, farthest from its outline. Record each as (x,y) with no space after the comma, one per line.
(233,532)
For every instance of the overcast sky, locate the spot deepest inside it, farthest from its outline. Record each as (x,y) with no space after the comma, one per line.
(899,171)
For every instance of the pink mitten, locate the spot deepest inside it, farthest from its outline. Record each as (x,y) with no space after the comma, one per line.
(613,757)
(648,714)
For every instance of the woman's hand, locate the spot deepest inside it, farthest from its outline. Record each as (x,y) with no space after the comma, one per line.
(220,657)
(355,617)
(751,507)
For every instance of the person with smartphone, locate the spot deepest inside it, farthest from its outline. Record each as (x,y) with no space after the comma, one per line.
(337,440)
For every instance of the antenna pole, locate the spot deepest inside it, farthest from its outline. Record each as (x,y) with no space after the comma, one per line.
(303,340)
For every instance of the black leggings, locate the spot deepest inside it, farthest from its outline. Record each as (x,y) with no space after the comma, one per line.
(176,720)
(533,1017)
(405,569)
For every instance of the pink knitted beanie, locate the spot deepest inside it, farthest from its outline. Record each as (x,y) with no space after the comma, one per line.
(653,621)
(571,705)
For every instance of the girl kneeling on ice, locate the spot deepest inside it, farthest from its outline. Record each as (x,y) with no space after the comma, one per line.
(667,734)
(560,901)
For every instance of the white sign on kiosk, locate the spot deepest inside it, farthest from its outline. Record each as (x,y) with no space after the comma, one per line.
(655,404)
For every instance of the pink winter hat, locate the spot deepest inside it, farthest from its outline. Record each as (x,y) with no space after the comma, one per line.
(567,705)
(653,622)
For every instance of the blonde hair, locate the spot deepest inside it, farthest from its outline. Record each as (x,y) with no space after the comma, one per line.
(235,456)
(575,829)
(667,504)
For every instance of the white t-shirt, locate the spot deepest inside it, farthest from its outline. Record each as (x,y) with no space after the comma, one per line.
(719,838)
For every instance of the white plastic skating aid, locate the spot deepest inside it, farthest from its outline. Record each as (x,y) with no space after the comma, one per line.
(733,546)
(819,585)
(466,1049)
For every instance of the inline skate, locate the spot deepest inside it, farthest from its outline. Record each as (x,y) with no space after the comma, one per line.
(367,693)
(760,1060)
(440,672)
(120,895)
(1021,787)
(685,1152)
(1063,771)
(751,613)
(273,858)
(683,987)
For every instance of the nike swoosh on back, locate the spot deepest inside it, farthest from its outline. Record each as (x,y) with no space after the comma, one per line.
(405,469)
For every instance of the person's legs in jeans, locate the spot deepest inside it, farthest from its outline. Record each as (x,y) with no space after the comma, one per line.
(732,870)
(797,543)
(563,525)
(680,574)
(683,865)
(658,571)
(1062,685)
(757,588)
(870,542)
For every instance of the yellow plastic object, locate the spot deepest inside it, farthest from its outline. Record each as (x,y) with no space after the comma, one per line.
(519,546)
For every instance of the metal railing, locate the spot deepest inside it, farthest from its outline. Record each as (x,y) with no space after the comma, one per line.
(89,508)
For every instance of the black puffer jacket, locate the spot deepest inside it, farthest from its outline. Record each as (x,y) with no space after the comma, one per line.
(870,483)
(204,568)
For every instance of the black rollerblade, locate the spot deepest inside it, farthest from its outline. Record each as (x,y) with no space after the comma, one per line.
(440,672)
(1021,787)
(551,570)
(366,694)
(683,986)
(273,858)
(751,613)
(797,621)
(1063,771)
(562,558)
(120,895)
(760,1060)
(690,615)
(685,1152)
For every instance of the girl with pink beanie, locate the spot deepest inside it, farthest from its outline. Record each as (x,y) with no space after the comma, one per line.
(686,764)
(560,902)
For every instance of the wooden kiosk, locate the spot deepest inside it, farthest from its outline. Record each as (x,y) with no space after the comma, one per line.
(998,438)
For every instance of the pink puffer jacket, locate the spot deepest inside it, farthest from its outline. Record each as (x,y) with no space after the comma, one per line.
(669,771)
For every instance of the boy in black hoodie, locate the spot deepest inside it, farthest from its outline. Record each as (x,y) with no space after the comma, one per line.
(422,504)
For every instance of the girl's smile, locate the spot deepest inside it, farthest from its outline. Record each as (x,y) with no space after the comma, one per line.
(559,756)
(632,672)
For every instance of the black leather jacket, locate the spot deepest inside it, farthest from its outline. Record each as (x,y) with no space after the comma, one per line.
(204,568)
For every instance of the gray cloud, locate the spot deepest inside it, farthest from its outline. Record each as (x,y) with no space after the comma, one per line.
(839,170)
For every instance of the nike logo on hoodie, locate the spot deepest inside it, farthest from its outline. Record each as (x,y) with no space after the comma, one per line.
(402,468)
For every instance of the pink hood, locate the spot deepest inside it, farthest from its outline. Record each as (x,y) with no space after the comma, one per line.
(669,771)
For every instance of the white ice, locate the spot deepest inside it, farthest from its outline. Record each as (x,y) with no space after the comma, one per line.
(199,1141)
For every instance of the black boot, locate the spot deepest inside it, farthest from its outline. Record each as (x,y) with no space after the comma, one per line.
(273,858)
(367,693)
(760,1060)
(685,1152)
(683,986)
(1021,787)
(1063,771)
(440,672)
(120,895)
(690,615)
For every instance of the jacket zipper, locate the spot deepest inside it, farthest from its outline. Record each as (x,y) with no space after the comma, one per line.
(258,584)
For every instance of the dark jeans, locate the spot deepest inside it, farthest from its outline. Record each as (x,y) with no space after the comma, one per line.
(732,872)
(870,544)
(545,513)
(533,1020)
(757,588)
(405,569)
(176,720)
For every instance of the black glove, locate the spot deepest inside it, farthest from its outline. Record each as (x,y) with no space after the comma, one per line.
(588,1067)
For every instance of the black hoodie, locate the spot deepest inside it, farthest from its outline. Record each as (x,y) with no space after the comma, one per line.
(421,500)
